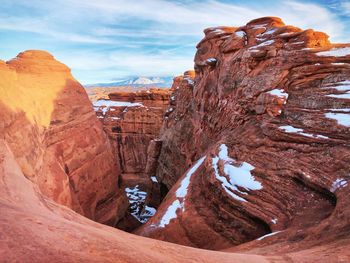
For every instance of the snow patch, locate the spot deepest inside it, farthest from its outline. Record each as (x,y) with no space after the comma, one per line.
(170,213)
(286,34)
(240,34)
(343,86)
(190,81)
(266,43)
(340,96)
(279,93)
(339,183)
(259,26)
(291,129)
(239,176)
(137,199)
(181,193)
(335,52)
(341,118)
(154,179)
(269,32)
(268,235)
(111,103)
(274,221)
(104,105)
(211,60)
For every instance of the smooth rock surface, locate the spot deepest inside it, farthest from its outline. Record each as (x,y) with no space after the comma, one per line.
(50,126)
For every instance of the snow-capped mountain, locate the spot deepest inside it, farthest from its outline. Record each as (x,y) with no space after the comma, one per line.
(163,82)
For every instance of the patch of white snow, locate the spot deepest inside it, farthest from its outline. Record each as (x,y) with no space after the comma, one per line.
(291,129)
(335,52)
(341,118)
(339,183)
(268,235)
(239,176)
(181,193)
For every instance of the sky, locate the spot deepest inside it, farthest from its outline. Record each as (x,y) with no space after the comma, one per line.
(108,40)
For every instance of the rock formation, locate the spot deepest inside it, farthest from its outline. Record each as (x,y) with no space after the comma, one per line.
(132,120)
(35,229)
(258,144)
(52,130)
(254,149)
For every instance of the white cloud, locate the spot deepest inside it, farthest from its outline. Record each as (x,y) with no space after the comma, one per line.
(346,8)
(149,37)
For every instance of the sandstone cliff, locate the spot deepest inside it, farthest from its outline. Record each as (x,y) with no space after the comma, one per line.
(254,147)
(52,130)
(258,143)
(132,120)
(36,229)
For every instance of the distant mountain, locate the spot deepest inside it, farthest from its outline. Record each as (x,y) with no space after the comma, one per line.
(163,82)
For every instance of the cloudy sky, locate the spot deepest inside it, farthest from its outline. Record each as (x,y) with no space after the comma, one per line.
(107,40)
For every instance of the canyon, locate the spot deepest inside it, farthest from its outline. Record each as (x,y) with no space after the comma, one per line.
(244,159)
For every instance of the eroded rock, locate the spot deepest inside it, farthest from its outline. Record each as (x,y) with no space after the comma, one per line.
(277,101)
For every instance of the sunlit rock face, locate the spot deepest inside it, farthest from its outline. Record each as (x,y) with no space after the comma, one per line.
(50,126)
(257,143)
(254,150)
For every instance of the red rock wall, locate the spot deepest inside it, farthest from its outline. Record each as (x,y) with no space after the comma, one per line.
(277,98)
(50,126)
(131,128)
(35,229)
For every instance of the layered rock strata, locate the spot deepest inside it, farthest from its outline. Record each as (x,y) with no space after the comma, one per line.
(50,126)
(132,121)
(257,145)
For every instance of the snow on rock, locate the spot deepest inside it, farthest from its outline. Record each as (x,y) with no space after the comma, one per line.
(266,43)
(111,103)
(240,34)
(291,129)
(279,93)
(340,96)
(260,26)
(171,109)
(286,34)
(238,176)
(335,52)
(154,179)
(190,81)
(181,193)
(149,211)
(341,86)
(170,213)
(269,32)
(339,183)
(104,105)
(268,235)
(341,118)
(137,199)
(274,221)
(211,60)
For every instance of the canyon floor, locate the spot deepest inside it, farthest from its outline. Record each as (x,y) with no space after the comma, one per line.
(244,159)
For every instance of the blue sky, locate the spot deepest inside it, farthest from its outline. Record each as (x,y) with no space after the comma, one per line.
(107,40)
